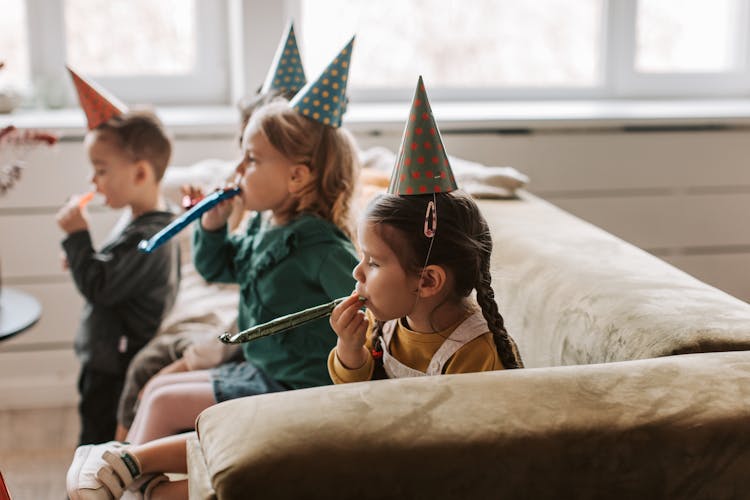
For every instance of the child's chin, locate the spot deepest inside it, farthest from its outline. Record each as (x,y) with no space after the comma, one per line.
(376,314)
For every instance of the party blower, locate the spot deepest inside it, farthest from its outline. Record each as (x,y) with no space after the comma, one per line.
(283,323)
(177,225)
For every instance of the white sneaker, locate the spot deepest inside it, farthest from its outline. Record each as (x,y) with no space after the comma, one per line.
(81,481)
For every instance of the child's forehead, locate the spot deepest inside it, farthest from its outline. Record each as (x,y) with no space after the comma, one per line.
(101,137)
(104,144)
(251,136)
(371,237)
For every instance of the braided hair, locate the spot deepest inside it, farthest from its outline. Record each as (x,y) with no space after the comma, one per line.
(462,244)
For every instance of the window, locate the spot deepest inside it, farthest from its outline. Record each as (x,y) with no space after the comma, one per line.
(13,47)
(475,47)
(101,39)
(541,49)
(165,52)
(670,48)
(675,36)
(212,52)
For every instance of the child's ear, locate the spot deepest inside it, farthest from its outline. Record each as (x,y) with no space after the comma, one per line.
(299,176)
(432,281)
(142,171)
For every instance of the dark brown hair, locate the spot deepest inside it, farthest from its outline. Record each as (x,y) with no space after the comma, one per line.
(463,245)
(141,136)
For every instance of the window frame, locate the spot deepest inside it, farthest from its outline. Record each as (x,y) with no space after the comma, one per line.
(626,81)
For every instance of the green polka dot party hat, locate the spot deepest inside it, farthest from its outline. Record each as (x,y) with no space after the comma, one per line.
(422,165)
(286,76)
(324,100)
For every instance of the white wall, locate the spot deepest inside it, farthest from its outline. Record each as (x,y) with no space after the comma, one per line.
(683,195)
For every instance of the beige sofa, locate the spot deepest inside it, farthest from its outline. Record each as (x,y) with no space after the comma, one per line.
(631,391)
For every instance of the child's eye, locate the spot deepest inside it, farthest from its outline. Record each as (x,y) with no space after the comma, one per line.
(372,263)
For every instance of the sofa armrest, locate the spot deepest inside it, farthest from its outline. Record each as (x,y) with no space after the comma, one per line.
(674,427)
(199,483)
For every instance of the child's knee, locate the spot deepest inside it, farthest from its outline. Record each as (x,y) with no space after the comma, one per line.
(161,399)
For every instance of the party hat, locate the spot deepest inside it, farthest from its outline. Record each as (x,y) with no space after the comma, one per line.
(286,75)
(422,166)
(324,99)
(98,104)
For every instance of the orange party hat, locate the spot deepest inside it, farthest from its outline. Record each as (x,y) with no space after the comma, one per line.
(98,104)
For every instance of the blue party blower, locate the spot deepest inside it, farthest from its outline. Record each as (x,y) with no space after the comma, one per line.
(177,225)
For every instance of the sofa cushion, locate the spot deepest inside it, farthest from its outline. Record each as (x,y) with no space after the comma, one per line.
(571,293)
(661,428)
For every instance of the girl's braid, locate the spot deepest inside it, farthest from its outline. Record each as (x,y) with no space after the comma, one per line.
(506,347)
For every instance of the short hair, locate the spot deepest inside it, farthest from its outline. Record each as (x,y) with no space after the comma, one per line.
(140,135)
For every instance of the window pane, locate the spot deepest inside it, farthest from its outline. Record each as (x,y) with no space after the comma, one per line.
(13,45)
(131,37)
(687,35)
(452,43)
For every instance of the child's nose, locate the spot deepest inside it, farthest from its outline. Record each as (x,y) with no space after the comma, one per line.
(241,167)
(358,274)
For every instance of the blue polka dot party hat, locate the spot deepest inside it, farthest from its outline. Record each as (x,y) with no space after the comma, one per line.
(286,76)
(324,100)
(422,165)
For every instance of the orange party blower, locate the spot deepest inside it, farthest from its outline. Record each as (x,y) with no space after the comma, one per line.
(85,199)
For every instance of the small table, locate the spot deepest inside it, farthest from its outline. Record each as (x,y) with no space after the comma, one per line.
(18,311)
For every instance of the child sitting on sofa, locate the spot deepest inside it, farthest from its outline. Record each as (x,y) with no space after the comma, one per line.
(127,292)
(178,352)
(422,255)
(302,172)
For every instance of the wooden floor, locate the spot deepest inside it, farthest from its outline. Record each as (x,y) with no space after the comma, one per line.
(36,447)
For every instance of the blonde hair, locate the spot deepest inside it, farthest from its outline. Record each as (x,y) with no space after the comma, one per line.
(330,154)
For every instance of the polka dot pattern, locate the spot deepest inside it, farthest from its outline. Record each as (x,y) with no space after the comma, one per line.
(324,100)
(98,105)
(422,165)
(286,74)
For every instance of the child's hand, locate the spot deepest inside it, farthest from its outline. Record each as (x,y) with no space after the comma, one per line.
(217,217)
(72,216)
(190,195)
(64,262)
(238,212)
(350,324)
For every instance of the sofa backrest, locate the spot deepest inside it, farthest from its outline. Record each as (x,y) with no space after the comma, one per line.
(571,293)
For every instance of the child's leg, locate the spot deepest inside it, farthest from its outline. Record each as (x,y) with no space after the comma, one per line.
(170,490)
(100,393)
(158,353)
(170,405)
(108,469)
(167,454)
